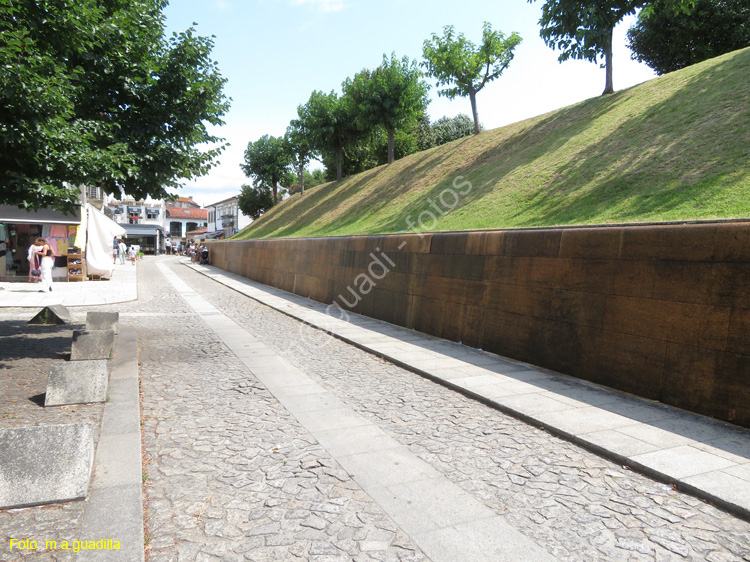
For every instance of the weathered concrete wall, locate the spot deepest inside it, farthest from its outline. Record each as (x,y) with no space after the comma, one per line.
(660,311)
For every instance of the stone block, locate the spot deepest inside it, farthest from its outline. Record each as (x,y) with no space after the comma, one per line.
(690,324)
(391,306)
(732,242)
(668,242)
(464,267)
(77,382)
(520,299)
(588,243)
(448,243)
(102,321)
(532,243)
(45,464)
(428,315)
(53,314)
(92,344)
(580,308)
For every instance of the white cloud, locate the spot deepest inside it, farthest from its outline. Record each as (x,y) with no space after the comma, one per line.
(326,6)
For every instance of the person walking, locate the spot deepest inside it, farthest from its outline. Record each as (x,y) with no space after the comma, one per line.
(121,251)
(115,249)
(35,262)
(132,254)
(48,262)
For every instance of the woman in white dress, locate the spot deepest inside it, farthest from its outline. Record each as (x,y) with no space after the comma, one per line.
(34,259)
(48,262)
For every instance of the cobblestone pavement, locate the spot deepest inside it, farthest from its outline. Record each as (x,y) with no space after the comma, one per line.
(231,475)
(573,503)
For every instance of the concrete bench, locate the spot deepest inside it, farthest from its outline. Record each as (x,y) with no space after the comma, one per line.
(90,345)
(53,314)
(77,382)
(102,321)
(45,464)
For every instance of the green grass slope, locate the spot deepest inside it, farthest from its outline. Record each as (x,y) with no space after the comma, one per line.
(674,148)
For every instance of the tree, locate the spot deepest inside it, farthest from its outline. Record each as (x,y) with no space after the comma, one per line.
(298,143)
(453,59)
(583,30)
(448,129)
(668,39)
(255,200)
(311,179)
(330,123)
(92,92)
(268,161)
(392,96)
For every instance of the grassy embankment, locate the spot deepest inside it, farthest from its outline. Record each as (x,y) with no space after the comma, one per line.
(674,148)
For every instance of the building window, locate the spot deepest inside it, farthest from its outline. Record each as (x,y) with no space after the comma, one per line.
(191,226)
(175,229)
(227,221)
(211,216)
(152,214)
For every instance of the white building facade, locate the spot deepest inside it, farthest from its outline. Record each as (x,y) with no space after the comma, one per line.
(226,217)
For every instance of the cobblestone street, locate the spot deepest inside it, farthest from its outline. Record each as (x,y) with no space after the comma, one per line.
(230,474)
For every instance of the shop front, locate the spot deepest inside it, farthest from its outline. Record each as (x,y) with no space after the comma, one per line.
(20,228)
(150,237)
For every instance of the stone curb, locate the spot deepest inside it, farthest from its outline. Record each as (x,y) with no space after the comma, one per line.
(114,508)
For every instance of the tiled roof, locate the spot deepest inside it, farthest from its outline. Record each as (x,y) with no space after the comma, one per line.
(199,231)
(187,200)
(180,213)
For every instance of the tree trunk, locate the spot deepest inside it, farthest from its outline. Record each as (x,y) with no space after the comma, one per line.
(275,194)
(608,87)
(301,179)
(474,112)
(339,159)
(391,143)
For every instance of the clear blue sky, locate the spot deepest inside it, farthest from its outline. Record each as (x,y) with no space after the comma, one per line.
(274,53)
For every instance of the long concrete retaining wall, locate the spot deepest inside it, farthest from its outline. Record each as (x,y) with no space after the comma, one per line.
(659,311)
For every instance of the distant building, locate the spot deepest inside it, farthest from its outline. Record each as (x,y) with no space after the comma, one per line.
(184,203)
(181,220)
(143,221)
(225,218)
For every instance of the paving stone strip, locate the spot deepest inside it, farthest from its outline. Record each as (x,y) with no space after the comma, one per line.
(568,500)
(229,473)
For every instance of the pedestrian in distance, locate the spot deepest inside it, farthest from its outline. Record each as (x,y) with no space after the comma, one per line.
(47,263)
(115,249)
(132,254)
(121,251)
(35,262)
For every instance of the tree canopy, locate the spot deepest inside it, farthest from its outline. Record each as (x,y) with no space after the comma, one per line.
(254,200)
(268,161)
(92,92)
(330,122)
(300,149)
(667,39)
(393,96)
(583,30)
(456,62)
